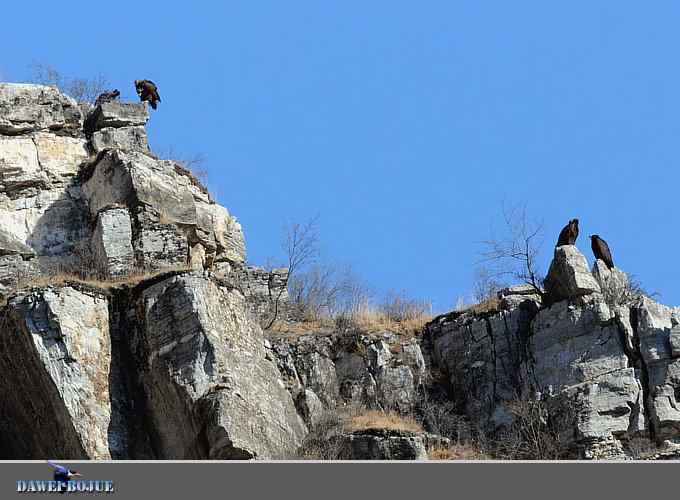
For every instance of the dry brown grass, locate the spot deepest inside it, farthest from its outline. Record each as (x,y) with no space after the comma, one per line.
(63,278)
(374,419)
(367,321)
(491,305)
(372,320)
(457,452)
(164,218)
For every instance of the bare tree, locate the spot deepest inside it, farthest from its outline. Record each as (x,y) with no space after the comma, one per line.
(194,162)
(301,247)
(81,89)
(317,291)
(486,285)
(515,254)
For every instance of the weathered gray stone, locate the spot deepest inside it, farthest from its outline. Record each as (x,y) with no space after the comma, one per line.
(317,372)
(382,444)
(207,372)
(612,406)
(112,242)
(58,352)
(572,344)
(310,407)
(117,114)
(14,270)
(262,288)
(10,245)
(26,107)
(396,390)
(569,276)
(512,297)
(412,356)
(378,356)
(171,215)
(675,341)
(654,330)
(357,384)
(125,138)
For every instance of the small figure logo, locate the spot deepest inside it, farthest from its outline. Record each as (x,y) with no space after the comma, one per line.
(62,475)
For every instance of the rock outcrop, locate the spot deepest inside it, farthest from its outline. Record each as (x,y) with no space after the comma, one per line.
(596,346)
(123,335)
(380,444)
(381,371)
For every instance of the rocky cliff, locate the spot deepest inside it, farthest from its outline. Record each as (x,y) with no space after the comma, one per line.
(128,326)
(125,331)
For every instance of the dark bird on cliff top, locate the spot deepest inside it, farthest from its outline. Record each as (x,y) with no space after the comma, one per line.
(568,234)
(147,91)
(601,250)
(107,97)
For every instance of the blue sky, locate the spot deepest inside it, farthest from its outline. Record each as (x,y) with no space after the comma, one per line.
(405,126)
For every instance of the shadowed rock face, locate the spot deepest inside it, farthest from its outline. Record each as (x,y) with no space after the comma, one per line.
(210,389)
(55,354)
(384,445)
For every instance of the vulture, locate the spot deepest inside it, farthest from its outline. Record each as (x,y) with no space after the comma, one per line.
(568,234)
(147,91)
(107,97)
(601,250)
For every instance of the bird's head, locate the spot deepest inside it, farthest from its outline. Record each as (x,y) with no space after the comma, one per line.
(593,236)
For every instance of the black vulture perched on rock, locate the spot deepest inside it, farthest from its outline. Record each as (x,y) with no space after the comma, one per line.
(147,91)
(568,234)
(107,97)
(601,250)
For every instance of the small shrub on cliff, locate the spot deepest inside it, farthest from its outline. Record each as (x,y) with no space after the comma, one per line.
(542,429)
(399,308)
(81,89)
(324,440)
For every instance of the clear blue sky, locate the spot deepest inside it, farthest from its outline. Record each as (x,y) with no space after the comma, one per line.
(404,125)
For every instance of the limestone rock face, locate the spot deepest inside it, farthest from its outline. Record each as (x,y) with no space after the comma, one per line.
(55,346)
(126,138)
(569,276)
(27,108)
(655,324)
(157,365)
(171,214)
(207,380)
(117,114)
(112,242)
(341,369)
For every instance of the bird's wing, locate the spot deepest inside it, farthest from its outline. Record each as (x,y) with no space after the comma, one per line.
(607,253)
(58,468)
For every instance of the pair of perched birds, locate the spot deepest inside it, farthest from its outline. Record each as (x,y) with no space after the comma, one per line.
(600,248)
(146,90)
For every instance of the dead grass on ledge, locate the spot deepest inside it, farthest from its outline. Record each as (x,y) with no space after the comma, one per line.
(367,321)
(457,452)
(491,305)
(374,419)
(64,278)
